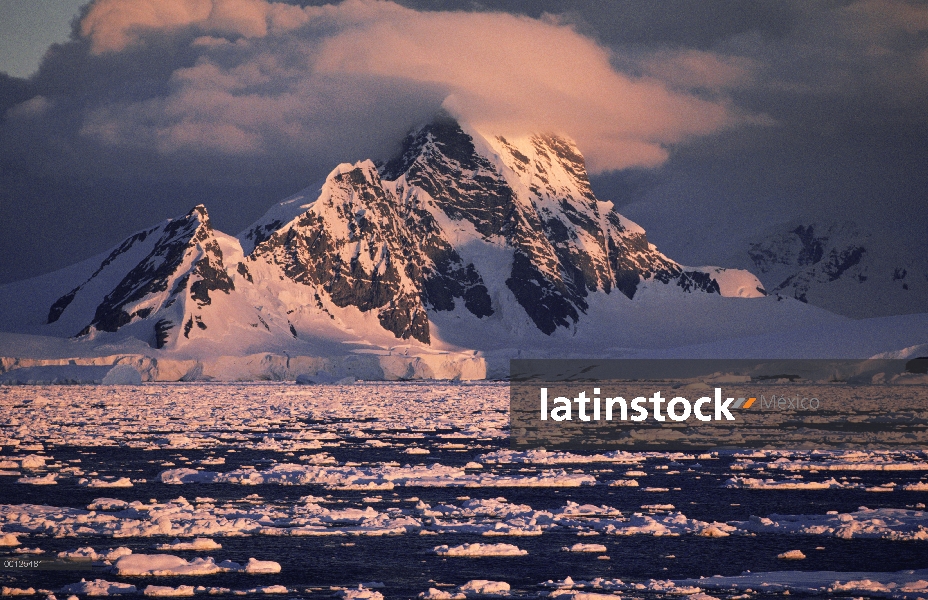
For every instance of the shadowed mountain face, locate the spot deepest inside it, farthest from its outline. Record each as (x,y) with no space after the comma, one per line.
(841,267)
(485,228)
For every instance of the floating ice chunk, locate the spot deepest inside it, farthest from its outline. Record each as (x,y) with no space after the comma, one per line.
(480,550)
(47,479)
(108,504)
(483,587)
(624,483)
(386,477)
(10,591)
(360,593)
(99,587)
(122,482)
(88,552)
(474,588)
(541,456)
(436,594)
(792,555)
(921,486)
(415,450)
(168,564)
(195,544)
(8,540)
(713,531)
(580,595)
(160,591)
(885,523)
(584,548)
(901,584)
(788,484)
(255,566)
(573,509)
(32,462)
(275,589)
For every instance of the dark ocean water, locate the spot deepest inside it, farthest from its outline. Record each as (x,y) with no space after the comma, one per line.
(405,564)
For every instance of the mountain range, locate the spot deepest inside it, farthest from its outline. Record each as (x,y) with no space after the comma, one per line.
(463,243)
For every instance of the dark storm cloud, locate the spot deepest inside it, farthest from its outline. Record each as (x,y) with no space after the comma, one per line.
(844,89)
(721,118)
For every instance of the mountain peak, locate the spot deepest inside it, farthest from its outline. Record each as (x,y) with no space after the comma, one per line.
(461,234)
(148,273)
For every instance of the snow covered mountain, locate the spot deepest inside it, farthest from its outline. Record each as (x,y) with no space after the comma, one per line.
(459,221)
(462,242)
(163,285)
(842,268)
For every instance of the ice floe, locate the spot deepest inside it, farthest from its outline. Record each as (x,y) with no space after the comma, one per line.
(584,548)
(476,588)
(477,550)
(170,565)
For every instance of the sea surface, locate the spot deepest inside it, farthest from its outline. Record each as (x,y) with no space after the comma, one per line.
(321,480)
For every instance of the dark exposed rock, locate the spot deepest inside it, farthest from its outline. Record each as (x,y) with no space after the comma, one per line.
(545,305)
(162,332)
(60,305)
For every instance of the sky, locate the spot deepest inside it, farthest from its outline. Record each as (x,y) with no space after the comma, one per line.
(712,124)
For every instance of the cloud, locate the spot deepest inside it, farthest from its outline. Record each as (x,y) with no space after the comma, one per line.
(271,75)
(156,105)
(863,52)
(113,25)
(690,69)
